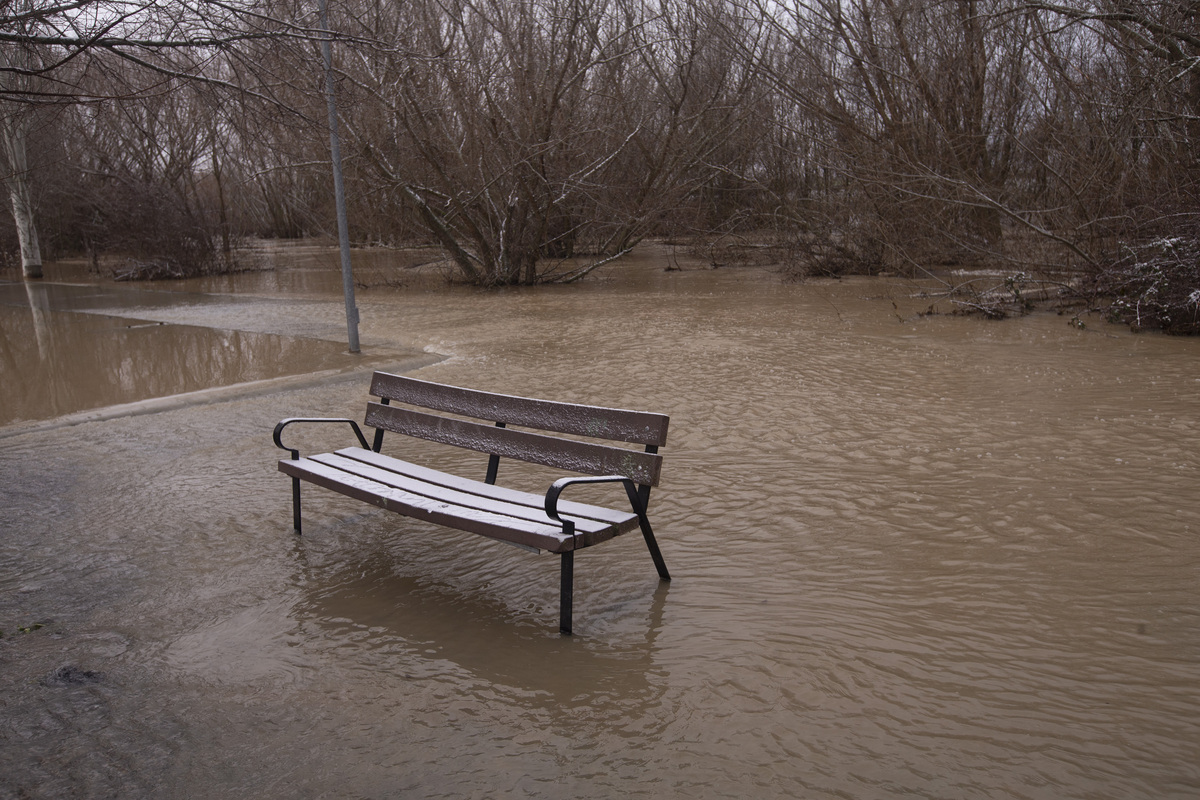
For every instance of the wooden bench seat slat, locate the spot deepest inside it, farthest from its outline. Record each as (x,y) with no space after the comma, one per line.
(390,498)
(575,510)
(550,451)
(636,427)
(438,491)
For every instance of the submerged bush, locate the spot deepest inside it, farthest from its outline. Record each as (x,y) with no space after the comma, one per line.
(1155,285)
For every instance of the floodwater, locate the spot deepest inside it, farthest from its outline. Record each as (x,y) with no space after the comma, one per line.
(913,556)
(60,357)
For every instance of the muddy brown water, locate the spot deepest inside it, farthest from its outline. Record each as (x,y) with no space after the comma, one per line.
(913,556)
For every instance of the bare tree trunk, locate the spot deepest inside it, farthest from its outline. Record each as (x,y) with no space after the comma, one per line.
(222,212)
(13,132)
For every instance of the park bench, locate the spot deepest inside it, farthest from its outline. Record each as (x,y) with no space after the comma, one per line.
(534,521)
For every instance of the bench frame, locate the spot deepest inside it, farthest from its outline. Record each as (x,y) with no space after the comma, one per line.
(558,526)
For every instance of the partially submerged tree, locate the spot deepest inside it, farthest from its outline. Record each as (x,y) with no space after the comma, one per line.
(19,68)
(539,140)
(14,134)
(141,81)
(535,140)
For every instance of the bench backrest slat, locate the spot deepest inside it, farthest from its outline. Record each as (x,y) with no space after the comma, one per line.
(614,424)
(585,457)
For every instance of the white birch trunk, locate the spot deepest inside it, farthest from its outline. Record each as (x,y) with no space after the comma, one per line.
(13,131)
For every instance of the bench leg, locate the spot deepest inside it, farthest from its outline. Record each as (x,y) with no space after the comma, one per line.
(296,504)
(652,544)
(566,590)
(638,500)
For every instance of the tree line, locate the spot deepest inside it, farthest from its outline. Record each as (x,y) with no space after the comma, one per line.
(536,140)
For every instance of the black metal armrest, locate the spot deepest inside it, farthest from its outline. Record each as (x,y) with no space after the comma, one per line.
(556,489)
(637,499)
(296,453)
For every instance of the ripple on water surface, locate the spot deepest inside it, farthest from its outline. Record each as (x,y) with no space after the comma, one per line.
(925,557)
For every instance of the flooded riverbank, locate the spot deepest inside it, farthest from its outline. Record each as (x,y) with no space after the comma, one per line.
(913,556)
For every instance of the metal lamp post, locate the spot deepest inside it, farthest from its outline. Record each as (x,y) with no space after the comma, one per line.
(339,186)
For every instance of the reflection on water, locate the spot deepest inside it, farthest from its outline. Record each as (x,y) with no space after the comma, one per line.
(391,611)
(925,557)
(55,359)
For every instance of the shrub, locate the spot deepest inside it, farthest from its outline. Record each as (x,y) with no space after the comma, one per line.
(1155,285)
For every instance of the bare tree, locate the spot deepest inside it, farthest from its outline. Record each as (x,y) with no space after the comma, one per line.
(14,133)
(121,59)
(538,140)
(19,67)
(910,110)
